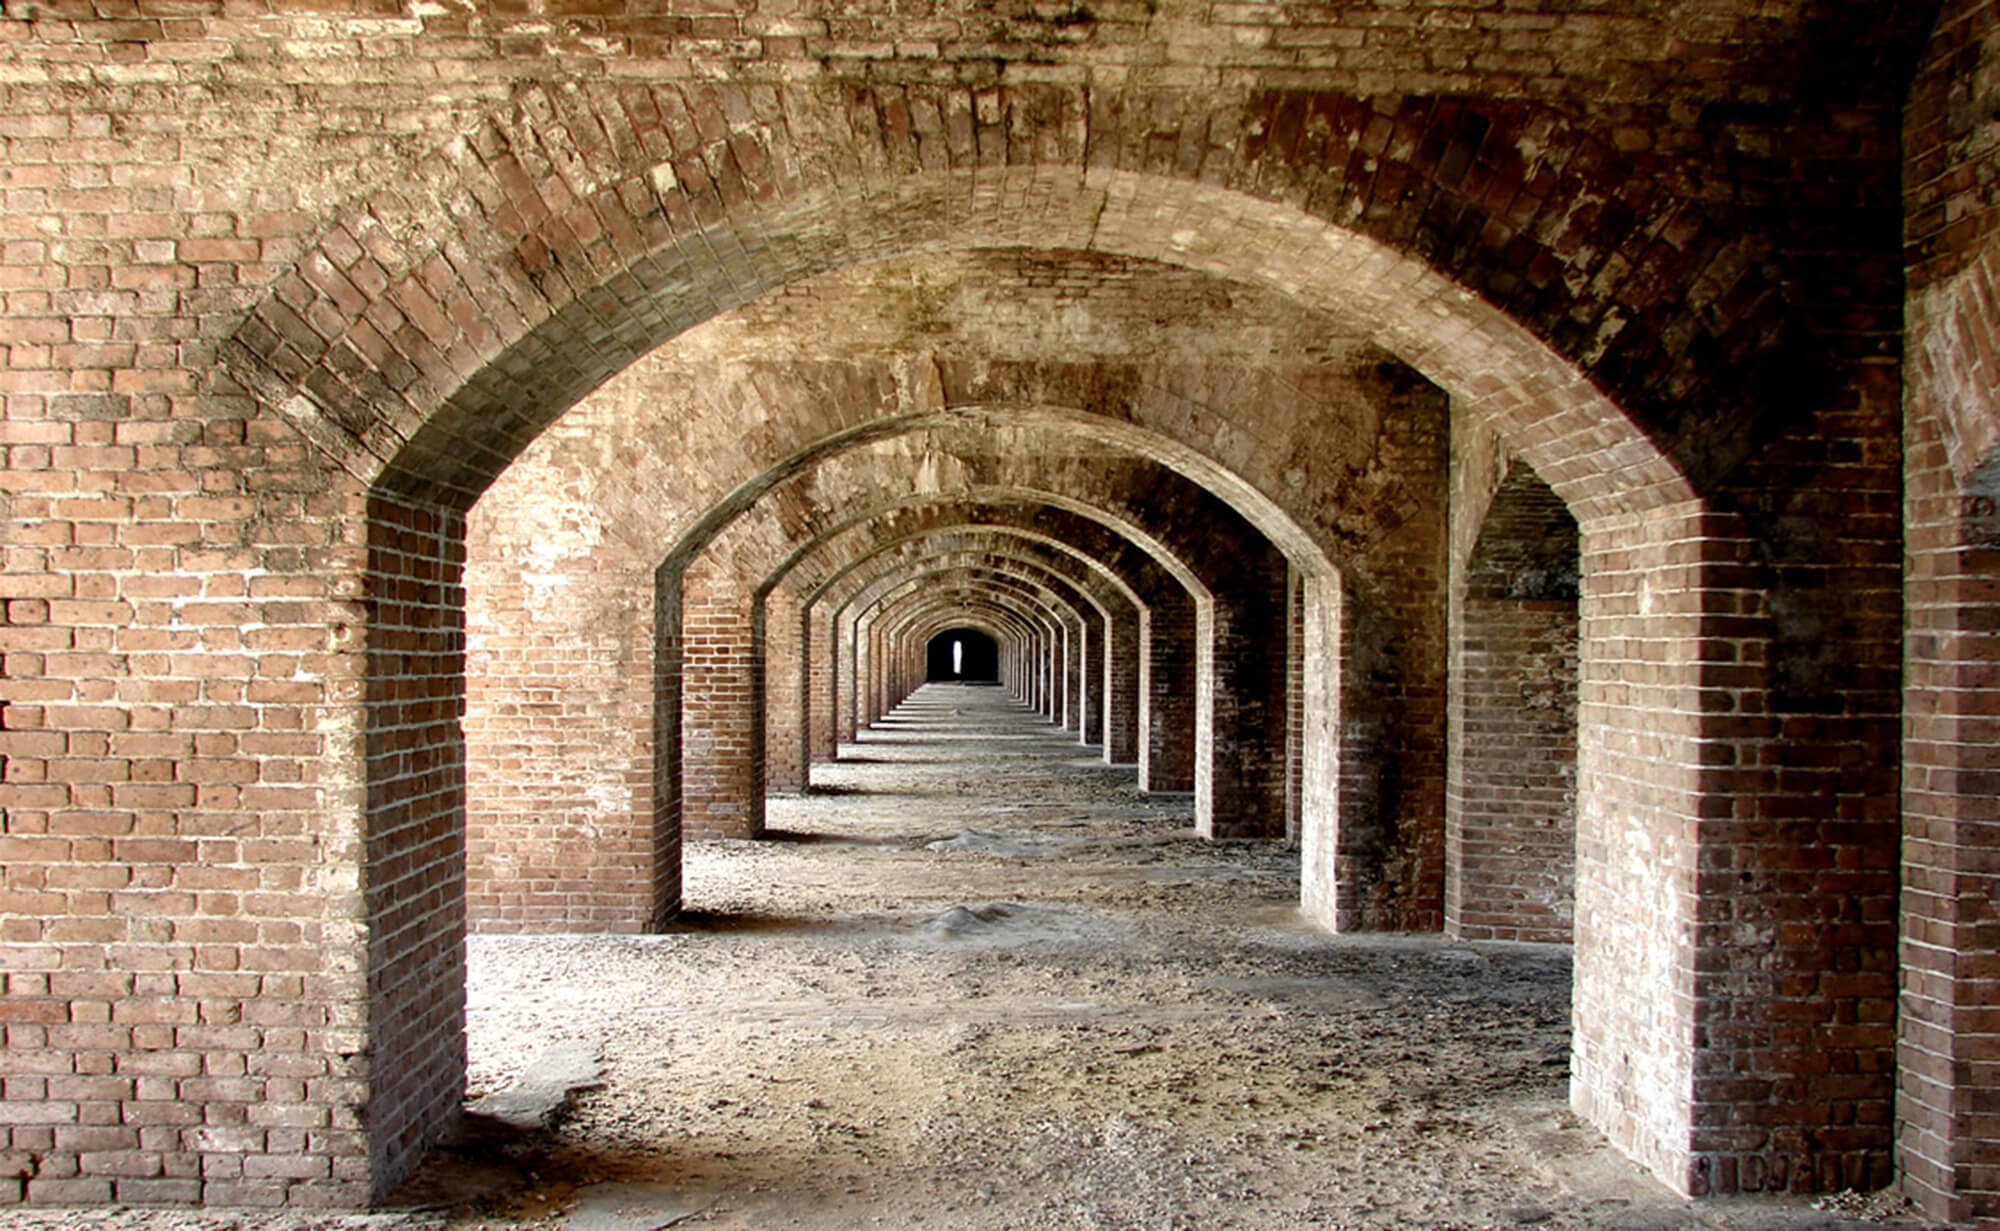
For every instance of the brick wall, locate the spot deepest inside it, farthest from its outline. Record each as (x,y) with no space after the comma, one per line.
(1511,823)
(255,267)
(559,814)
(413,875)
(1949,1151)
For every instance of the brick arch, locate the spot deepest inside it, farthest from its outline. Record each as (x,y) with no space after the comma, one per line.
(593,237)
(1228,793)
(988,500)
(1020,590)
(1954,372)
(580,289)
(899,577)
(831,579)
(809,581)
(848,542)
(919,617)
(986,562)
(1003,640)
(1041,591)
(976,590)
(988,448)
(920,631)
(1017,432)
(718,699)
(1085,571)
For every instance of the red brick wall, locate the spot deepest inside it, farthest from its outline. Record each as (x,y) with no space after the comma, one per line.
(1949,1147)
(1511,823)
(414,873)
(722,707)
(558,724)
(781,622)
(415,275)
(1512,840)
(1639,801)
(180,898)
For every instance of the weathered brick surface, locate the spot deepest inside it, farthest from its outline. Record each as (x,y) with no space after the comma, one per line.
(1511,826)
(413,872)
(1949,1152)
(284,292)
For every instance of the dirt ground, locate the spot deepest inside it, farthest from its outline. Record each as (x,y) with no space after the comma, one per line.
(976,980)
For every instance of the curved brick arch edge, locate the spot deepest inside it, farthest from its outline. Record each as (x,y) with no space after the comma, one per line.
(1954,355)
(441,425)
(1257,507)
(817,589)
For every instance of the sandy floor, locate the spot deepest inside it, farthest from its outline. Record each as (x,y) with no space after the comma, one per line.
(977,981)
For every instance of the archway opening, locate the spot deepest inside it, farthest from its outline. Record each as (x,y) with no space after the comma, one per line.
(1326,651)
(963,655)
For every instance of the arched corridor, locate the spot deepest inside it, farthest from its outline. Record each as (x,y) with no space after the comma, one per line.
(978,980)
(1528,461)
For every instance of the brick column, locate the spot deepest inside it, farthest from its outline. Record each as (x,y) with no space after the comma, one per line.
(822,651)
(1295,693)
(1640,807)
(1121,689)
(1948,1141)
(1734,929)
(1075,662)
(851,660)
(782,623)
(1090,725)
(1169,701)
(1240,776)
(1511,804)
(722,706)
(1948,1101)
(414,861)
(560,812)
(863,675)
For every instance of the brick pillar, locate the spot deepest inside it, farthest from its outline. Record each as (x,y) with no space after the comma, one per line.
(851,661)
(559,740)
(1121,689)
(1076,659)
(722,707)
(1166,761)
(1295,693)
(1948,1102)
(1639,810)
(1090,691)
(1511,805)
(413,868)
(863,674)
(1948,1140)
(1734,939)
(822,652)
(785,669)
(1240,776)
(1038,670)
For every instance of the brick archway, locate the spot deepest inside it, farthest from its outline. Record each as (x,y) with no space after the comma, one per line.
(1715,254)
(625,263)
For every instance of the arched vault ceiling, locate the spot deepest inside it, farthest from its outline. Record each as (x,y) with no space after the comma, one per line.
(963,462)
(833,571)
(1272,397)
(1024,304)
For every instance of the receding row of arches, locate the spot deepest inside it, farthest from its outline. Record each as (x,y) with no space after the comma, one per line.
(1553,487)
(1314,505)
